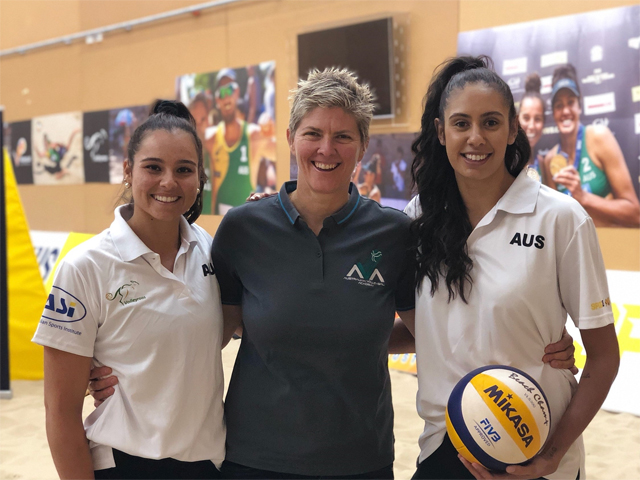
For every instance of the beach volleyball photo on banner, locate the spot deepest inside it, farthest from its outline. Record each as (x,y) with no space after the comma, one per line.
(498,416)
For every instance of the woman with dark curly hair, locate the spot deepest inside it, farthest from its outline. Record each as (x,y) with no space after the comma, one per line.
(502,259)
(588,163)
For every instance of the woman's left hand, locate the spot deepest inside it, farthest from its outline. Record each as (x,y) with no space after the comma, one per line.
(538,467)
(570,179)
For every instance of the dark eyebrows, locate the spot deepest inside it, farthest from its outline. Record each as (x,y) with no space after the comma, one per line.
(486,114)
(159,160)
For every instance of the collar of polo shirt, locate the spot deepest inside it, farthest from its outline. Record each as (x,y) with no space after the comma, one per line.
(130,246)
(339,217)
(521,197)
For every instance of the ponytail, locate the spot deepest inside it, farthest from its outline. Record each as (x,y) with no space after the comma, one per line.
(442,229)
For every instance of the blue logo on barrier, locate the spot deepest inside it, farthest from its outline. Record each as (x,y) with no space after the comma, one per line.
(62,306)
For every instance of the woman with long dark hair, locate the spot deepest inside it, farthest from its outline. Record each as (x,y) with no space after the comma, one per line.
(588,163)
(502,259)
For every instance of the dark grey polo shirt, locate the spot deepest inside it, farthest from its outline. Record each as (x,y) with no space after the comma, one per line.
(310,391)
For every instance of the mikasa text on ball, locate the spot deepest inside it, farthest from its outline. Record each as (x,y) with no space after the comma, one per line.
(498,416)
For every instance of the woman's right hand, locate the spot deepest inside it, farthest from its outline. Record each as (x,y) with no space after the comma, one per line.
(101,384)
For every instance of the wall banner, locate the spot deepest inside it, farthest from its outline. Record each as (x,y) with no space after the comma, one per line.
(604,48)
(234,110)
(57,149)
(95,126)
(18,143)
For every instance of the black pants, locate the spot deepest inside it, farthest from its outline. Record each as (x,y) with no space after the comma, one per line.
(235,470)
(128,466)
(444,464)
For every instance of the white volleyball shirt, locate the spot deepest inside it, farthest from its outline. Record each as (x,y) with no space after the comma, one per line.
(536,258)
(160,332)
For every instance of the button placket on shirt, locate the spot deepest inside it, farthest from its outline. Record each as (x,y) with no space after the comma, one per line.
(181,289)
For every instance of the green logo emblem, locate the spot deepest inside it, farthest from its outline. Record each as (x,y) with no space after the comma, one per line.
(367,273)
(122,293)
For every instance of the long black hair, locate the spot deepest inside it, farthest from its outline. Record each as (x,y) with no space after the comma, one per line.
(171,115)
(442,229)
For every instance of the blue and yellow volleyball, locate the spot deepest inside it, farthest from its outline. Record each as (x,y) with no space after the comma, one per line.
(498,416)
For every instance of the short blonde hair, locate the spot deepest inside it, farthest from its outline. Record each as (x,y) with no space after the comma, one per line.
(333,87)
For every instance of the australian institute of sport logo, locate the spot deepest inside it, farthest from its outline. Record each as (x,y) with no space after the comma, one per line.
(367,273)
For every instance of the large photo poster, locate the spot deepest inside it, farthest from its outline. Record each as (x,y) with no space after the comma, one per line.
(586,71)
(57,149)
(17,140)
(234,110)
(122,124)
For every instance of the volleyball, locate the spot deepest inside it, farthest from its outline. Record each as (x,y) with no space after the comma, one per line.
(498,416)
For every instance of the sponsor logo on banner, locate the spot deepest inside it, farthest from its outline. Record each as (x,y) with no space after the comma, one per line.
(596,53)
(514,65)
(598,104)
(514,83)
(550,130)
(604,121)
(634,42)
(635,93)
(367,273)
(545,84)
(93,144)
(637,119)
(63,306)
(598,76)
(554,58)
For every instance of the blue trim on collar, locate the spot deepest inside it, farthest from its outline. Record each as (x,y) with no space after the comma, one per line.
(351,212)
(285,210)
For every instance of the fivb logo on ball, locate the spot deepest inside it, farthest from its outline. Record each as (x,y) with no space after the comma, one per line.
(498,416)
(62,306)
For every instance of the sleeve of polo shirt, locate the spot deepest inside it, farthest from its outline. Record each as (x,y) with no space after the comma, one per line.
(69,321)
(582,280)
(405,292)
(223,245)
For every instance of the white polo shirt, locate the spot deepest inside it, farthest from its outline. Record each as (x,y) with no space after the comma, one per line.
(535,258)
(159,331)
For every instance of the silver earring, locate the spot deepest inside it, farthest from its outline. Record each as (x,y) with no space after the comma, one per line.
(197,191)
(127,184)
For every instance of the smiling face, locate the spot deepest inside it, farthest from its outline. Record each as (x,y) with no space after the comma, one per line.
(566,111)
(327,147)
(164,177)
(227,95)
(475,131)
(531,119)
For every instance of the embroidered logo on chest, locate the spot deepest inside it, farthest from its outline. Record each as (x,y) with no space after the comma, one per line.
(527,240)
(126,294)
(367,273)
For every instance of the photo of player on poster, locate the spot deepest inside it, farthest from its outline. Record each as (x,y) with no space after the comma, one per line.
(235,118)
(17,140)
(122,123)
(579,102)
(57,149)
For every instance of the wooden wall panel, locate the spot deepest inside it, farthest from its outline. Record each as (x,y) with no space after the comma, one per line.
(135,67)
